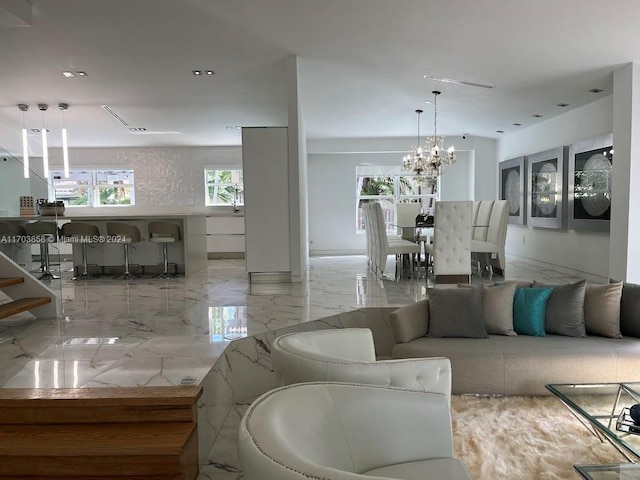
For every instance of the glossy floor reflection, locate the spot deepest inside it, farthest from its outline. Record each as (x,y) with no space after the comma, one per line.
(159,332)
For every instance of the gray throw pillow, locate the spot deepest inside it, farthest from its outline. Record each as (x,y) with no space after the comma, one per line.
(602,309)
(630,310)
(497,308)
(456,313)
(564,314)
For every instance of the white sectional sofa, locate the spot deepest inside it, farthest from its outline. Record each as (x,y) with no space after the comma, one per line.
(523,364)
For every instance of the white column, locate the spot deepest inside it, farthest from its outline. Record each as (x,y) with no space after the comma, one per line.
(624,242)
(265,163)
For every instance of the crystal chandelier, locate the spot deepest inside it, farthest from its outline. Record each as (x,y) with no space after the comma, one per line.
(430,161)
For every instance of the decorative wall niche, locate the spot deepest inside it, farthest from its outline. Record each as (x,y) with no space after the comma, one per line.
(513,186)
(547,190)
(589,183)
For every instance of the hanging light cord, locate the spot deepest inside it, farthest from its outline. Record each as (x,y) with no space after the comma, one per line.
(435,115)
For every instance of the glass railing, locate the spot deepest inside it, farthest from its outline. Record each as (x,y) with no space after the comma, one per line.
(19,207)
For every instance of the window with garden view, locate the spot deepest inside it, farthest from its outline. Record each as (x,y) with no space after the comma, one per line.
(93,187)
(224,187)
(389,188)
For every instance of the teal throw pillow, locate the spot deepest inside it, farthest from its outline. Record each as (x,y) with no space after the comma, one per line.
(529,306)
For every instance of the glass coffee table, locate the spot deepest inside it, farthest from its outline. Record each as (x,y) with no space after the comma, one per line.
(598,406)
(618,471)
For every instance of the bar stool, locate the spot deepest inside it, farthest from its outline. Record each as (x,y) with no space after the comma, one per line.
(12,233)
(43,233)
(84,234)
(126,234)
(164,233)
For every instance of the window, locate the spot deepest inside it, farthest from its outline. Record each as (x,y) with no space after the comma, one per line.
(224,187)
(386,185)
(95,188)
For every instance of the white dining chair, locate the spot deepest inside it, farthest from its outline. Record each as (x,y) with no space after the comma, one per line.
(451,247)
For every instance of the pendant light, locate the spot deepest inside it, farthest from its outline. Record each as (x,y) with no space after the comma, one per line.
(65,148)
(45,150)
(25,145)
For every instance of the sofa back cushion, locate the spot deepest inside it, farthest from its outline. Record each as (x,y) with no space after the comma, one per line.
(564,314)
(602,309)
(497,308)
(630,310)
(456,313)
(410,322)
(529,305)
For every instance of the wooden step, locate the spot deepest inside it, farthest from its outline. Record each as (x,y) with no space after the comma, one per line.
(169,449)
(22,305)
(7,282)
(99,405)
(97,477)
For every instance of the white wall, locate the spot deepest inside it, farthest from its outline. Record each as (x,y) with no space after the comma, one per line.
(583,251)
(164,176)
(457,181)
(485,155)
(332,185)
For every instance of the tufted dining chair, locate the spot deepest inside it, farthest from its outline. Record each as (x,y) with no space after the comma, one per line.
(451,247)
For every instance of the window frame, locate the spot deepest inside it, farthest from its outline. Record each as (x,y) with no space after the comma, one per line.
(94,187)
(237,199)
(426,199)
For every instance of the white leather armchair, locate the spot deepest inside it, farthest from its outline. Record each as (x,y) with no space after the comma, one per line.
(346,432)
(348,355)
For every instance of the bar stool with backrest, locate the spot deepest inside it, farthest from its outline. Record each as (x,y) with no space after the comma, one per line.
(12,234)
(164,233)
(43,233)
(126,234)
(84,234)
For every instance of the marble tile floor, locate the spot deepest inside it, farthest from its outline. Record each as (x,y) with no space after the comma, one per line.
(167,332)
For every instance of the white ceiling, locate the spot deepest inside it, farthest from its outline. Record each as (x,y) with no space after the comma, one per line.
(361,65)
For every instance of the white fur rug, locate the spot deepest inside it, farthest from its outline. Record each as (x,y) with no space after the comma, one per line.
(523,438)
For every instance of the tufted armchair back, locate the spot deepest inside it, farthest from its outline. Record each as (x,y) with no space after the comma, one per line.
(347,431)
(348,355)
(452,238)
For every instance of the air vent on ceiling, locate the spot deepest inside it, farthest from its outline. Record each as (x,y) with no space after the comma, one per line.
(114,114)
(457,82)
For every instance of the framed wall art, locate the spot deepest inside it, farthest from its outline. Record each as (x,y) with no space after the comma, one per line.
(589,183)
(512,183)
(546,188)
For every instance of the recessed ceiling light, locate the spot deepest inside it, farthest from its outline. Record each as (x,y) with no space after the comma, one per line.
(229,127)
(562,105)
(517,124)
(39,130)
(209,72)
(197,72)
(429,102)
(82,74)
(69,74)
(238,127)
(499,131)
(537,115)
(596,90)
(138,129)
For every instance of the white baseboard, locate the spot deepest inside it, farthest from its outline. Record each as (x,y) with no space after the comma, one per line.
(332,253)
(591,277)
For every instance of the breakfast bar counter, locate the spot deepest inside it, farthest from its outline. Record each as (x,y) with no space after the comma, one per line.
(190,254)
